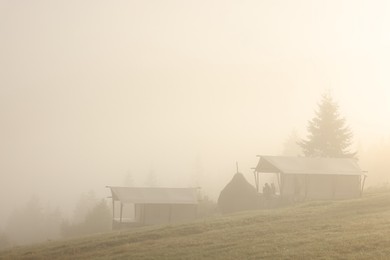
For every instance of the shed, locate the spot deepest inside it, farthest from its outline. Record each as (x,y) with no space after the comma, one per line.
(313,178)
(150,206)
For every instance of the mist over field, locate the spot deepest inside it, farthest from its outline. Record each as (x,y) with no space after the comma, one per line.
(174,93)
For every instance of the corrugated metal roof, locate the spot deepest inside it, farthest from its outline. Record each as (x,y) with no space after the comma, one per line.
(155,195)
(308,165)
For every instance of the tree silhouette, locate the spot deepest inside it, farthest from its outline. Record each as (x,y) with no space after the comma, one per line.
(33,223)
(291,146)
(86,202)
(4,240)
(151,179)
(97,220)
(128,181)
(328,136)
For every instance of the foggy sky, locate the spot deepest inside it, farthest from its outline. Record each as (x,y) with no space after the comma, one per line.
(91,90)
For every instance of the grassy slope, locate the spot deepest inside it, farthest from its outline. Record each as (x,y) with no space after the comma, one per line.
(322,230)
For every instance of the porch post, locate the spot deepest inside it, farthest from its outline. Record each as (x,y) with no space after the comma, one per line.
(120,220)
(306,181)
(364,180)
(113,211)
(256,175)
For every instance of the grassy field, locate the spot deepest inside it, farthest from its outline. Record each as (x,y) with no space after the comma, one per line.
(353,229)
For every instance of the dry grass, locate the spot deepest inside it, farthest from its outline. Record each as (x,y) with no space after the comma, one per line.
(354,229)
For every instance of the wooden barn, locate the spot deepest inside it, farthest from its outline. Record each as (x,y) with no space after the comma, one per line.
(301,178)
(148,206)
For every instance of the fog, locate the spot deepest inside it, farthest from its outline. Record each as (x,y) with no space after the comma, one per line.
(92,91)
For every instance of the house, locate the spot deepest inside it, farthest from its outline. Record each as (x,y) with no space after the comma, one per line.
(302,178)
(148,206)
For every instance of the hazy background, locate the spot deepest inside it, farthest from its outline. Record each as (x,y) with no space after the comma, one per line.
(91,91)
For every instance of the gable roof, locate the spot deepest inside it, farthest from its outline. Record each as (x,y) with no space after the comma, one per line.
(154,195)
(308,165)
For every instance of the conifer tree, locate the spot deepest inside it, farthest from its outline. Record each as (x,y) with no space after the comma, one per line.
(291,146)
(328,135)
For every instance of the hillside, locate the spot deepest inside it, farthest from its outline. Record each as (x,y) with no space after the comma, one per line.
(326,230)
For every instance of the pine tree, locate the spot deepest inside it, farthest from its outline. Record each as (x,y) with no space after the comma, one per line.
(291,146)
(128,181)
(328,134)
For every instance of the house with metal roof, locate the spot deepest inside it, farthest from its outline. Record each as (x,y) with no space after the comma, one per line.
(302,178)
(148,206)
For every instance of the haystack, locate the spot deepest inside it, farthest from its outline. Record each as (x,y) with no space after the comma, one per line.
(238,195)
